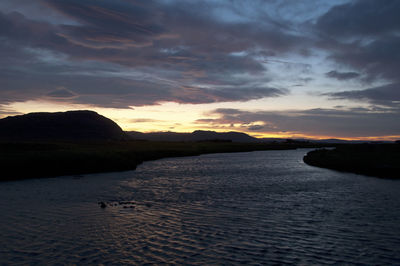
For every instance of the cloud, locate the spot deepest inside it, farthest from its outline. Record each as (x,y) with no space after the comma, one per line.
(256,127)
(61,94)
(342,75)
(363,35)
(169,51)
(388,95)
(361,18)
(379,59)
(4,112)
(199,95)
(109,24)
(144,120)
(345,123)
(117,92)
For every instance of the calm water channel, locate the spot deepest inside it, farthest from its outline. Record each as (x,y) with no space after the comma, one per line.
(263,207)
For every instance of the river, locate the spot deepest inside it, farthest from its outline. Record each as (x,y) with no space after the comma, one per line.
(264,207)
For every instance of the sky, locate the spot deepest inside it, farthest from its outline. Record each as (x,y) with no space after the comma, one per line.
(270,68)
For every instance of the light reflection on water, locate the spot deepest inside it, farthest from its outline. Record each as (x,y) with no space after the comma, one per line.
(258,207)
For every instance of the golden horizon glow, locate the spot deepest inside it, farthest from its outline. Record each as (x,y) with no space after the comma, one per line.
(172,117)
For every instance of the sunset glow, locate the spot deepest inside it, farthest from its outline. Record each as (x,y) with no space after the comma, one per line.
(269,69)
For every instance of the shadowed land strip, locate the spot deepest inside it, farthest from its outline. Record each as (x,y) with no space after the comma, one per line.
(379,160)
(20,160)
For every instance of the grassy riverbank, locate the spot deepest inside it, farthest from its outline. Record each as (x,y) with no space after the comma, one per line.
(379,160)
(20,160)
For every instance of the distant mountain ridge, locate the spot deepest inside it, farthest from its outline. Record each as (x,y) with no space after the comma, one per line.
(70,125)
(198,135)
(201,135)
(89,125)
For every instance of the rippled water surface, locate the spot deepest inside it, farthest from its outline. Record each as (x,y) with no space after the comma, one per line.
(260,207)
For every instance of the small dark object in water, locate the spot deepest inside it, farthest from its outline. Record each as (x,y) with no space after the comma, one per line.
(148,205)
(125,202)
(102,204)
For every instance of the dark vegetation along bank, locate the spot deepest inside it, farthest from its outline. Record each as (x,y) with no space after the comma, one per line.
(38,159)
(380,160)
(80,142)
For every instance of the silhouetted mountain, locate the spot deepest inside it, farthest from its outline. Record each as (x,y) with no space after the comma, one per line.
(233,136)
(342,141)
(201,135)
(198,135)
(71,125)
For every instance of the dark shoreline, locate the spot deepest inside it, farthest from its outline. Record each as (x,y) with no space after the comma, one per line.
(23,160)
(377,160)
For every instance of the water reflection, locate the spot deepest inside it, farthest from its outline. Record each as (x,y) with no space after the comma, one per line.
(259,207)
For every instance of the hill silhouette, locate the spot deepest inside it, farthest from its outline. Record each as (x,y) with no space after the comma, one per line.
(198,135)
(71,125)
(81,142)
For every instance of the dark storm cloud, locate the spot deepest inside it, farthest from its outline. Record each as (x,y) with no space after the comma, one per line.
(388,95)
(361,18)
(357,122)
(117,92)
(61,93)
(109,23)
(364,35)
(201,95)
(188,53)
(255,127)
(173,32)
(378,59)
(17,29)
(342,75)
